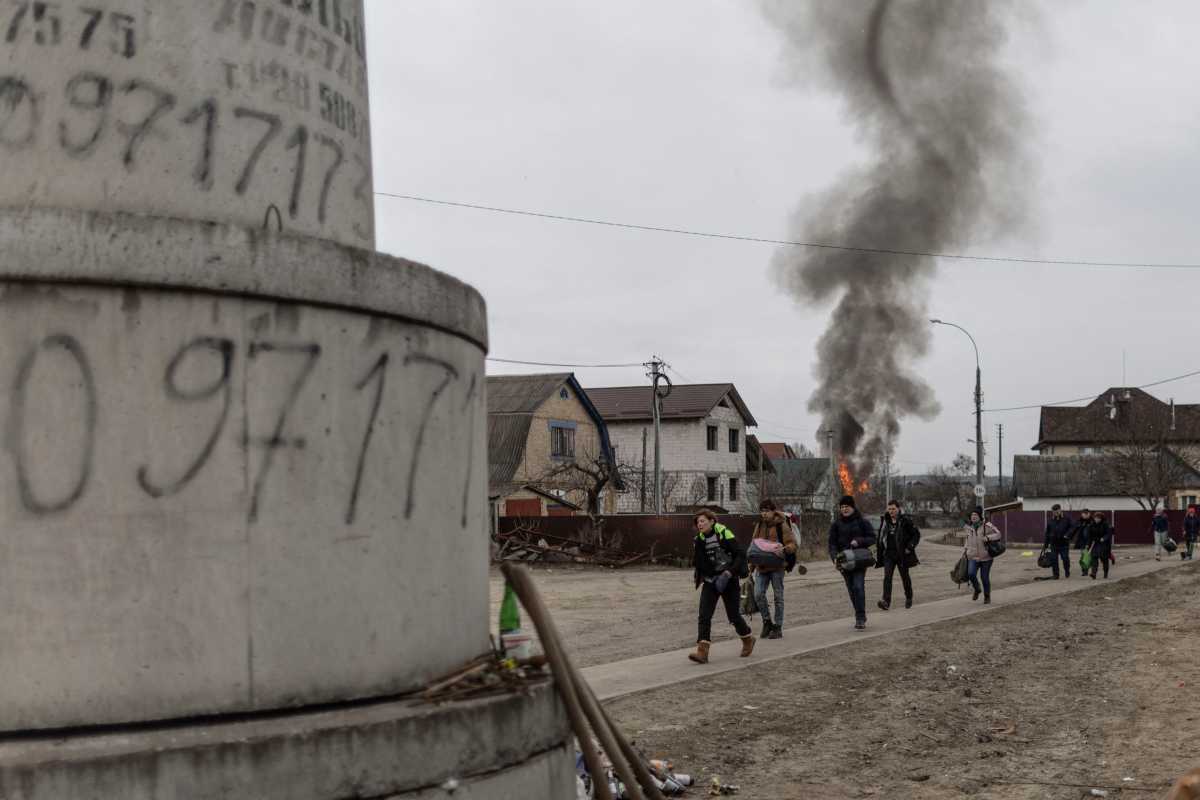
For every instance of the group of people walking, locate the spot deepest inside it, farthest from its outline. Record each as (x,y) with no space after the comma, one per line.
(1161,527)
(720,563)
(1090,532)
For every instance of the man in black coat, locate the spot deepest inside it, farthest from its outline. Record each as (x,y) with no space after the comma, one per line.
(851,532)
(898,538)
(1058,540)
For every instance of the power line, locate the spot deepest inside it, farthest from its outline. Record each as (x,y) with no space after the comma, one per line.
(551,364)
(1092,396)
(790,242)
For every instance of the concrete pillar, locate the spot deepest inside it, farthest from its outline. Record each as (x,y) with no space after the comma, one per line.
(242,456)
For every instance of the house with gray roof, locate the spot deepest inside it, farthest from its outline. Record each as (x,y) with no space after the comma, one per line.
(703,444)
(538,426)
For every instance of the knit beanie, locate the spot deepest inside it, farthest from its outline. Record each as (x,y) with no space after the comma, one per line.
(847,500)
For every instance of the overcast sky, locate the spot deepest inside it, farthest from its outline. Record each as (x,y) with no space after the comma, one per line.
(675,113)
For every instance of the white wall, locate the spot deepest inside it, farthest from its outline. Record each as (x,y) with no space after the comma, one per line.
(1080,503)
(685,455)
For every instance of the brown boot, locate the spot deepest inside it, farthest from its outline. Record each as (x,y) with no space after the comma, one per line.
(747,645)
(700,656)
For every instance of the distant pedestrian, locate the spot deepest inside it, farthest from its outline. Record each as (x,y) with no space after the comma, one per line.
(851,532)
(774,527)
(1058,540)
(1079,532)
(898,540)
(1191,531)
(1100,540)
(979,560)
(1161,526)
(717,561)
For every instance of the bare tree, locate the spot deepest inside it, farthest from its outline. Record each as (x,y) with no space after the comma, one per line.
(586,477)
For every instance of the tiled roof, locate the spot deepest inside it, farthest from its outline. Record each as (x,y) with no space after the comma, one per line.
(778,450)
(1119,415)
(686,401)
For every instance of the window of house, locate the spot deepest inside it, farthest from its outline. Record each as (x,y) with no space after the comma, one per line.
(1186,500)
(733,490)
(562,439)
(712,488)
(1086,451)
(733,440)
(712,437)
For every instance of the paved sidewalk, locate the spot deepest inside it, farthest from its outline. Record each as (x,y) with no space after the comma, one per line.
(621,678)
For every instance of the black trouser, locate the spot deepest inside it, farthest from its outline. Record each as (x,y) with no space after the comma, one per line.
(889,566)
(708,604)
(856,585)
(1061,551)
(1098,561)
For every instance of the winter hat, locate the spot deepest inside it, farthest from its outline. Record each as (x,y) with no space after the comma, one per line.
(1056,507)
(978,510)
(847,500)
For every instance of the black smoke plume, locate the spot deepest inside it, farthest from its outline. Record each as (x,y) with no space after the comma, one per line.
(923,86)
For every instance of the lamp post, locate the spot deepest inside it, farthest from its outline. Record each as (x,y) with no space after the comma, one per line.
(978,411)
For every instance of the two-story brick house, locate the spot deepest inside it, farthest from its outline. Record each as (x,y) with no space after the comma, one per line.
(703,443)
(538,425)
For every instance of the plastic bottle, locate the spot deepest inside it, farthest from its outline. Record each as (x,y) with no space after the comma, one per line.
(514,640)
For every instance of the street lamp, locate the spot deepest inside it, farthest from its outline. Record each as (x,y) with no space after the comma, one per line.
(978,411)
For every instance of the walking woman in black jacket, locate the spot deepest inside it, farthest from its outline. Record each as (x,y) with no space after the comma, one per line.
(718,560)
(851,532)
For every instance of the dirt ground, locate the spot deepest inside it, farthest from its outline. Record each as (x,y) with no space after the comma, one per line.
(611,615)
(1097,688)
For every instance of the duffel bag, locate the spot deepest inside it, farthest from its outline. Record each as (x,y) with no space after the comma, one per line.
(1169,544)
(766,553)
(1046,559)
(854,560)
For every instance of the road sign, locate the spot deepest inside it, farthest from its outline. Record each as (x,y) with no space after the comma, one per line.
(979,490)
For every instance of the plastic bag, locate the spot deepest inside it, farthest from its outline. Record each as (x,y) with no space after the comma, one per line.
(749,603)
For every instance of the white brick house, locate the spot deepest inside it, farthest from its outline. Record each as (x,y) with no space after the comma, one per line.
(703,444)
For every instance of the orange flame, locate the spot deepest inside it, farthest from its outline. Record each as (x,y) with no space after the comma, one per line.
(864,488)
(846,478)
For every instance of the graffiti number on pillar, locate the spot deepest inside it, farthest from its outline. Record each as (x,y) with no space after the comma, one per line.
(91,95)
(273,125)
(20,113)
(451,375)
(223,349)
(207,111)
(378,374)
(309,353)
(29,498)
(299,141)
(466,409)
(161,101)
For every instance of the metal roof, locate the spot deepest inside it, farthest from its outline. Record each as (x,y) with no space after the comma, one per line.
(1139,416)
(512,401)
(521,394)
(686,401)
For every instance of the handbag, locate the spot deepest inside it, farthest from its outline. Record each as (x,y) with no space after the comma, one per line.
(1169,544)
(749,602)
(994,549)
(959,573)
(1045,560)
(854,560)
(764,552)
